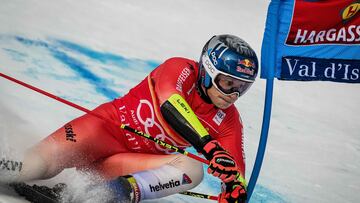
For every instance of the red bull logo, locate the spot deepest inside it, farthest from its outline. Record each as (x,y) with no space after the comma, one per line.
(245,66)
(245,70)
(246,62)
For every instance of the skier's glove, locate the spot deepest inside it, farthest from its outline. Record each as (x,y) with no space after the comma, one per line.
(222,164)
(233,192)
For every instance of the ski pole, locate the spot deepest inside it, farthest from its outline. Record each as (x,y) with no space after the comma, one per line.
(199,195)
(123,126)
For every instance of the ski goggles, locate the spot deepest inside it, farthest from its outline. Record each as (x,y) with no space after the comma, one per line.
(229,85)
(225,83)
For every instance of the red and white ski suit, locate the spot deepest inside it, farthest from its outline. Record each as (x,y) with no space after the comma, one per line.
(89,142)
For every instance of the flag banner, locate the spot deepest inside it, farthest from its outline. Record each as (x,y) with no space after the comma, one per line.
(312,40)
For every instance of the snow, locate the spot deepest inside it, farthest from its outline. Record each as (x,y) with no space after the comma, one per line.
(313,151)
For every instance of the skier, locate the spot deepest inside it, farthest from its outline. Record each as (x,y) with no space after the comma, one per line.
(181,102)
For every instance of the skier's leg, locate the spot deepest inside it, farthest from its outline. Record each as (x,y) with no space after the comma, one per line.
(76,144)
(152,176)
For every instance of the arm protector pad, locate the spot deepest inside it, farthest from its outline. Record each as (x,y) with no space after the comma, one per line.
(177,112)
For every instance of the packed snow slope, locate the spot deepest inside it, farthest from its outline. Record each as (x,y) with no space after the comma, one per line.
(90,52)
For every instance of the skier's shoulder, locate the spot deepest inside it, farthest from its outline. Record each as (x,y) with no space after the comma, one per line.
(179,61)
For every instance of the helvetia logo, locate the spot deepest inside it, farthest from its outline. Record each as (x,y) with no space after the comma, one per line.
(350,11)
(161,186)
(186,180)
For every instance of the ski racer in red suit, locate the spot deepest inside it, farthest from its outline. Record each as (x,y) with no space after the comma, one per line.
(181,102)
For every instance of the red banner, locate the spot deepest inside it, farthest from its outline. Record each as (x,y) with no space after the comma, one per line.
(325,22)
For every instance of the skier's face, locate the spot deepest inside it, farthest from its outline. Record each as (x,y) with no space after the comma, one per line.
(221,100)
